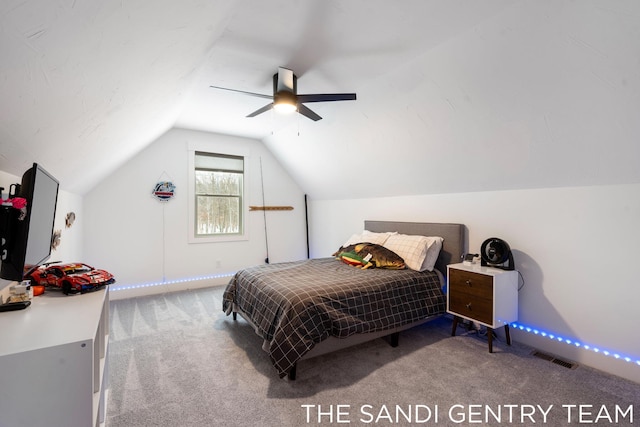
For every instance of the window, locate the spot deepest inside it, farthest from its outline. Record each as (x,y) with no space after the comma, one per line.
(219,184)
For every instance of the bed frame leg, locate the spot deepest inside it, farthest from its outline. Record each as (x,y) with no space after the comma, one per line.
(292,372)
(235,315)
(395,339)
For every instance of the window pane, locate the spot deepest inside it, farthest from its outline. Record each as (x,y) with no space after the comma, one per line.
(218,183)
(217,215)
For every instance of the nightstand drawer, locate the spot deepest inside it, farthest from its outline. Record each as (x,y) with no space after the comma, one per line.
(479,285)
(469,305)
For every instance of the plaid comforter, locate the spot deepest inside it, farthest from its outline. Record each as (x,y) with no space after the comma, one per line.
(295,305)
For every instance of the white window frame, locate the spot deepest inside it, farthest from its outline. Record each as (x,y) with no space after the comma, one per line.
(223,150)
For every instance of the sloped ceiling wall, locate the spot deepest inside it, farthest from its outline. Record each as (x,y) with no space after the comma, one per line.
(452,95)
(86,84)
(545,94)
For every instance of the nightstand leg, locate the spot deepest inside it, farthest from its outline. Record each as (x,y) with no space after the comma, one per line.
(507,335)
(455,325)
(490,338)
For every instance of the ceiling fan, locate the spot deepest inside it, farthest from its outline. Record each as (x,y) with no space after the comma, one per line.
(286,99)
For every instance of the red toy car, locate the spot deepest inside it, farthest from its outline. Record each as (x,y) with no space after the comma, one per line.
(73,277)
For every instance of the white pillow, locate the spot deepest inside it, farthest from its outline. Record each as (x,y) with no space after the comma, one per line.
(368,237)
(432,253)
(414,250)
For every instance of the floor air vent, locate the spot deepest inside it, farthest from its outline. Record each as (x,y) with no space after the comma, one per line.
(554,359)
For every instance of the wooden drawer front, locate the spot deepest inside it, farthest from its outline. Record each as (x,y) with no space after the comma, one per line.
(479,285)
(468,305)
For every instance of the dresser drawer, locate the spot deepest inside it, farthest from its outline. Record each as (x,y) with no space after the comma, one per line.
(478,285)
(471,306)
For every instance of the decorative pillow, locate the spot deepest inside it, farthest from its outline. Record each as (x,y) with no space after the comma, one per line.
(368,255)
(413,249)
(341,249)
(352,258)
(380,256)
(350,248)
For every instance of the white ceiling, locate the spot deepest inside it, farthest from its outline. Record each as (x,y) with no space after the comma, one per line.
(453,95)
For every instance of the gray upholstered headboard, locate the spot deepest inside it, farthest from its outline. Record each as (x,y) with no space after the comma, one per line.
(454,244)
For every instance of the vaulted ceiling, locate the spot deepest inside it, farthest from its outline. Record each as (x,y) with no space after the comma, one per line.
(453,95)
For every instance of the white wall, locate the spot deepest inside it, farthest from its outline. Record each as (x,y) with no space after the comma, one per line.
(575,247)
(70,248)
(141,240)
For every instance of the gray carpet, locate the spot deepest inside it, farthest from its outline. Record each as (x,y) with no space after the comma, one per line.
(176,360)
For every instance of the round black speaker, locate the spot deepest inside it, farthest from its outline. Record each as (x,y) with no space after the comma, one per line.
(496,252)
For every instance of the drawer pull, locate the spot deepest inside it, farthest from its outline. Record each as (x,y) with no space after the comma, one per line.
(468,282)
(468,306)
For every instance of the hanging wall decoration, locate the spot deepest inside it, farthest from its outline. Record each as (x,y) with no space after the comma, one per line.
(55,239)
(164,191)
(69,219)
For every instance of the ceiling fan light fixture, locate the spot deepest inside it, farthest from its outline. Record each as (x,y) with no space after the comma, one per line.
(285,108)
(285,102)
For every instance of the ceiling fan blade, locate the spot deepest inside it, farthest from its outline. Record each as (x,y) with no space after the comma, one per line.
(326,97)
(261,110)
(245,92)
(305,111)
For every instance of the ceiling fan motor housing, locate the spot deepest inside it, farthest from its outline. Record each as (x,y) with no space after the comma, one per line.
(285,81)
(285,90)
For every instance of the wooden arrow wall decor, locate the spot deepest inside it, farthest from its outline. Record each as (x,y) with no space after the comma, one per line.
(270,208)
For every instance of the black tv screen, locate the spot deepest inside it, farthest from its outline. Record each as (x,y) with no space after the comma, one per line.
(28,235)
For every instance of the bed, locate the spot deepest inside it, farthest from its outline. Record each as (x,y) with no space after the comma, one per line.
(306,308)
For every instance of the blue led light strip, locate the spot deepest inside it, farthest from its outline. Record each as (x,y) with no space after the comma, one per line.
(169,282)
(574,343)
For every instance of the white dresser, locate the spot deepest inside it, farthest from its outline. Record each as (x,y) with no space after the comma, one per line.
(53,361)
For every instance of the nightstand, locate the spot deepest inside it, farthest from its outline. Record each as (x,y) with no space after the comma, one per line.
(485,295)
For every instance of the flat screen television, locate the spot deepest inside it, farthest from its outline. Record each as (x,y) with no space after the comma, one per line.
(28,238)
